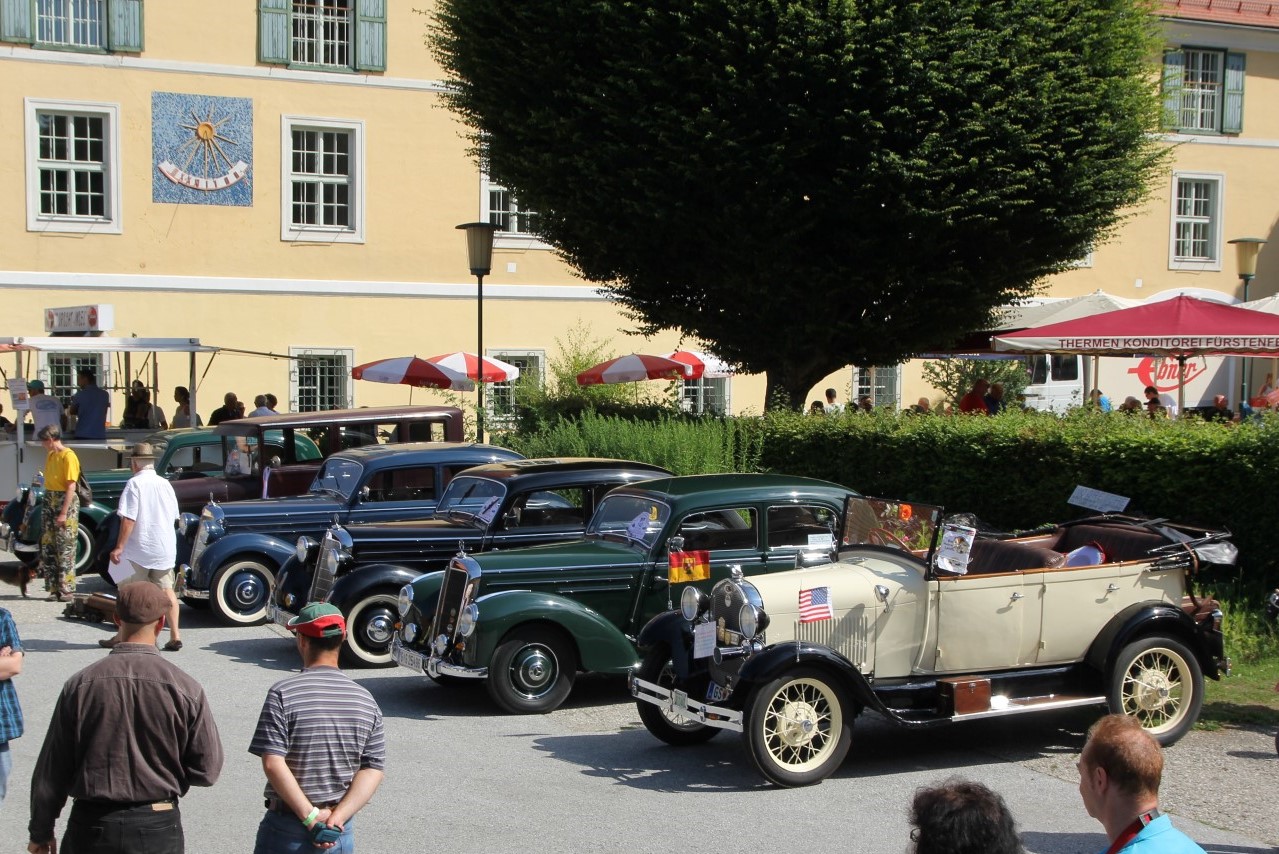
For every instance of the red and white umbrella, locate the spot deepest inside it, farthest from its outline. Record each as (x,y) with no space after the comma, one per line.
(703,364)
(412,371)
(633,368)
(495,370)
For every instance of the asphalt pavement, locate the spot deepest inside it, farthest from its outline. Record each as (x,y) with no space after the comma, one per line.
(463,777)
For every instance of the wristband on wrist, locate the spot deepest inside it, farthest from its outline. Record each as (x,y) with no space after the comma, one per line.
(311,817)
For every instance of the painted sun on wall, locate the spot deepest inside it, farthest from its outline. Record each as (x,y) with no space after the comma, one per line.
(202,148)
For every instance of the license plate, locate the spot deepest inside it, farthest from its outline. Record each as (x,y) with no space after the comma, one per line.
(679,700)
(406,657)
(278,615)
(716,693)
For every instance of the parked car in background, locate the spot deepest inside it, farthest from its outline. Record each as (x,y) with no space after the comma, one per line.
(235,549)
(180,455)
(361,568)
(1096,612)
(270,455)
(526,621)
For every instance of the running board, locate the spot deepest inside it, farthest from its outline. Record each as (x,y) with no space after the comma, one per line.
(1016,706)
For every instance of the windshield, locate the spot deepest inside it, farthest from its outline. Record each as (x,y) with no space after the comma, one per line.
(631,518)
(471,496)
(880,521)
(337,476)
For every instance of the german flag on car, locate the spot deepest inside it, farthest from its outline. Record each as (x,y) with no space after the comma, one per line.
(690,566)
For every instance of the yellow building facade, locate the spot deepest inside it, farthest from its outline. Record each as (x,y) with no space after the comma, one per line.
(280,176)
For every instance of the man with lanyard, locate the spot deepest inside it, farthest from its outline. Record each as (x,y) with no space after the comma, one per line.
(1119,773)
(128,737)
(322,745)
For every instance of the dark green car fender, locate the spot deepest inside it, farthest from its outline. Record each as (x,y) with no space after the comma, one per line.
(93,514)
(601,647)
(427,587)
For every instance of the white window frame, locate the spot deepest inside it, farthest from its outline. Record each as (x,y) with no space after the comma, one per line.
(1195,97)
(69,23)
(1212,263)
(110,222)
(296,353)
(491,416)
(322,18)
(505,239)
(352,233)
(692,394)
(882,382)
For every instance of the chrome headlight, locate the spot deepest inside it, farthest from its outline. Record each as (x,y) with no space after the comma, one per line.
(188,522)
(409,632)
(405,601)
(748,620)
(692,602)
(467,619)
(303,548)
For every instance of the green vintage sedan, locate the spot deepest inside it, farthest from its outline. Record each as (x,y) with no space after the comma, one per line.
(528,620)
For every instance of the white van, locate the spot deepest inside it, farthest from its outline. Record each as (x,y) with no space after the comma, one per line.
(1057,381)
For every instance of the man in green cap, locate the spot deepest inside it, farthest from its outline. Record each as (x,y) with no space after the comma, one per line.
(321,742)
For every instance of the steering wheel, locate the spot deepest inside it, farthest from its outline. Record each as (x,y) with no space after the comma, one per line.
(885,537)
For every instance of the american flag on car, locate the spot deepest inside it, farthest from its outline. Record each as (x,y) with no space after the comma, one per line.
(814,605)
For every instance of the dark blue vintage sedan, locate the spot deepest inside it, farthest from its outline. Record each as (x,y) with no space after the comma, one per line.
(235,549)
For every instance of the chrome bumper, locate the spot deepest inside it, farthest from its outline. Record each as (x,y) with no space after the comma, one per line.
(183,589)
(677,704)
(434,666)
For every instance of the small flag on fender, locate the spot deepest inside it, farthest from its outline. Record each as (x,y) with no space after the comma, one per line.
(690,566)
(814,605)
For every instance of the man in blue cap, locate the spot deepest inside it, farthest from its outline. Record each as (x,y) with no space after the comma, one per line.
(322,745)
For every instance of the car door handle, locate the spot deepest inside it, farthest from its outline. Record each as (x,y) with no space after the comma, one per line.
(1111,588)
(1017,596)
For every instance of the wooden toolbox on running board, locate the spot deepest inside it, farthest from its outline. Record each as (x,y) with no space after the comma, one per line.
(963,695)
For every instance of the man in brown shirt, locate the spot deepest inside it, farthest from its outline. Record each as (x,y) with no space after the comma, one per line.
(129,736)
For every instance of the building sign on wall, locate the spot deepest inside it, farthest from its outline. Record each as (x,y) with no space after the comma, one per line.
(202,147)
(79,319)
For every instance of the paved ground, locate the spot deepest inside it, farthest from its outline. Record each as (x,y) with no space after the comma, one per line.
(464,778)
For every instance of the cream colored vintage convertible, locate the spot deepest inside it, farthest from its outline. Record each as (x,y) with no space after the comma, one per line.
(1095,612)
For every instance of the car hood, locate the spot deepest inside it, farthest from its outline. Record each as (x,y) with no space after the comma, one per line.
(416,529)
(576,554)
(851,584)
(312,501)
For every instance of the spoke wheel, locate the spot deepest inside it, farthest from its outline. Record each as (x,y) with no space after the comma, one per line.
(1157,681)
(532,671)
(797,732)
(240,591)
(677,731)
(370,625)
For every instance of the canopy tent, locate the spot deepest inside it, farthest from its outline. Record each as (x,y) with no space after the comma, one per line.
(1057,311)
(1178,328)
(703,364)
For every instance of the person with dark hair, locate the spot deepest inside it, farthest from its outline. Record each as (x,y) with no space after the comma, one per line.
(89,405)
(816,408)
(1120,769)
(974,403)
(272,403)
(182,412)
(11,656)
(831,406)
(962,817)
(61,505)
(322,744)
(228,410)
(129,736)
(260,407)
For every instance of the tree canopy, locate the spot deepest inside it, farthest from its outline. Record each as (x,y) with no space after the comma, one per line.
(808,184)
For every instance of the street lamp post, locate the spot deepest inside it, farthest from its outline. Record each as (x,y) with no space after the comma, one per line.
(479,255)
(1246,251)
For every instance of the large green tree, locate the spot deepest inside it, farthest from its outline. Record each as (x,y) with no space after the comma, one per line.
(809,184)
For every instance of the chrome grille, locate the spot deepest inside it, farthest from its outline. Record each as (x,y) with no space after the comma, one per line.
(201,541)
(322,577)
(727,599)
(450,603)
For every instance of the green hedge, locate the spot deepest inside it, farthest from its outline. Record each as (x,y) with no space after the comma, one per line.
(1013,471)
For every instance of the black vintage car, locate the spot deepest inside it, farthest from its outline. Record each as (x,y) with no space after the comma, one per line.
(236,548)
(361,568)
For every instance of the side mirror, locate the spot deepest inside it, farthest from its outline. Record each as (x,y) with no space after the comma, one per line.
(275,462)
(675,544)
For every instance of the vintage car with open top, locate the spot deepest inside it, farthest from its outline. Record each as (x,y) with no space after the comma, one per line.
(526,621)
(361,568)
(932,624)
(235,549)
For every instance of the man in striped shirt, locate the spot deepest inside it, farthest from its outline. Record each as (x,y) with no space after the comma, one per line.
(321,742)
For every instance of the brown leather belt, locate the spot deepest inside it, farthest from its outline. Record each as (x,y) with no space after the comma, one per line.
(277,805)
(101,807)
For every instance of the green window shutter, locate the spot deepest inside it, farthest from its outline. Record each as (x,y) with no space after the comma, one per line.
(1174,75)
(15,21)
(274,36)
(1232,109)
(370,35)
(124,25)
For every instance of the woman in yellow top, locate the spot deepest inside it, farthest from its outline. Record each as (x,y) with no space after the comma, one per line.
(62,506)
